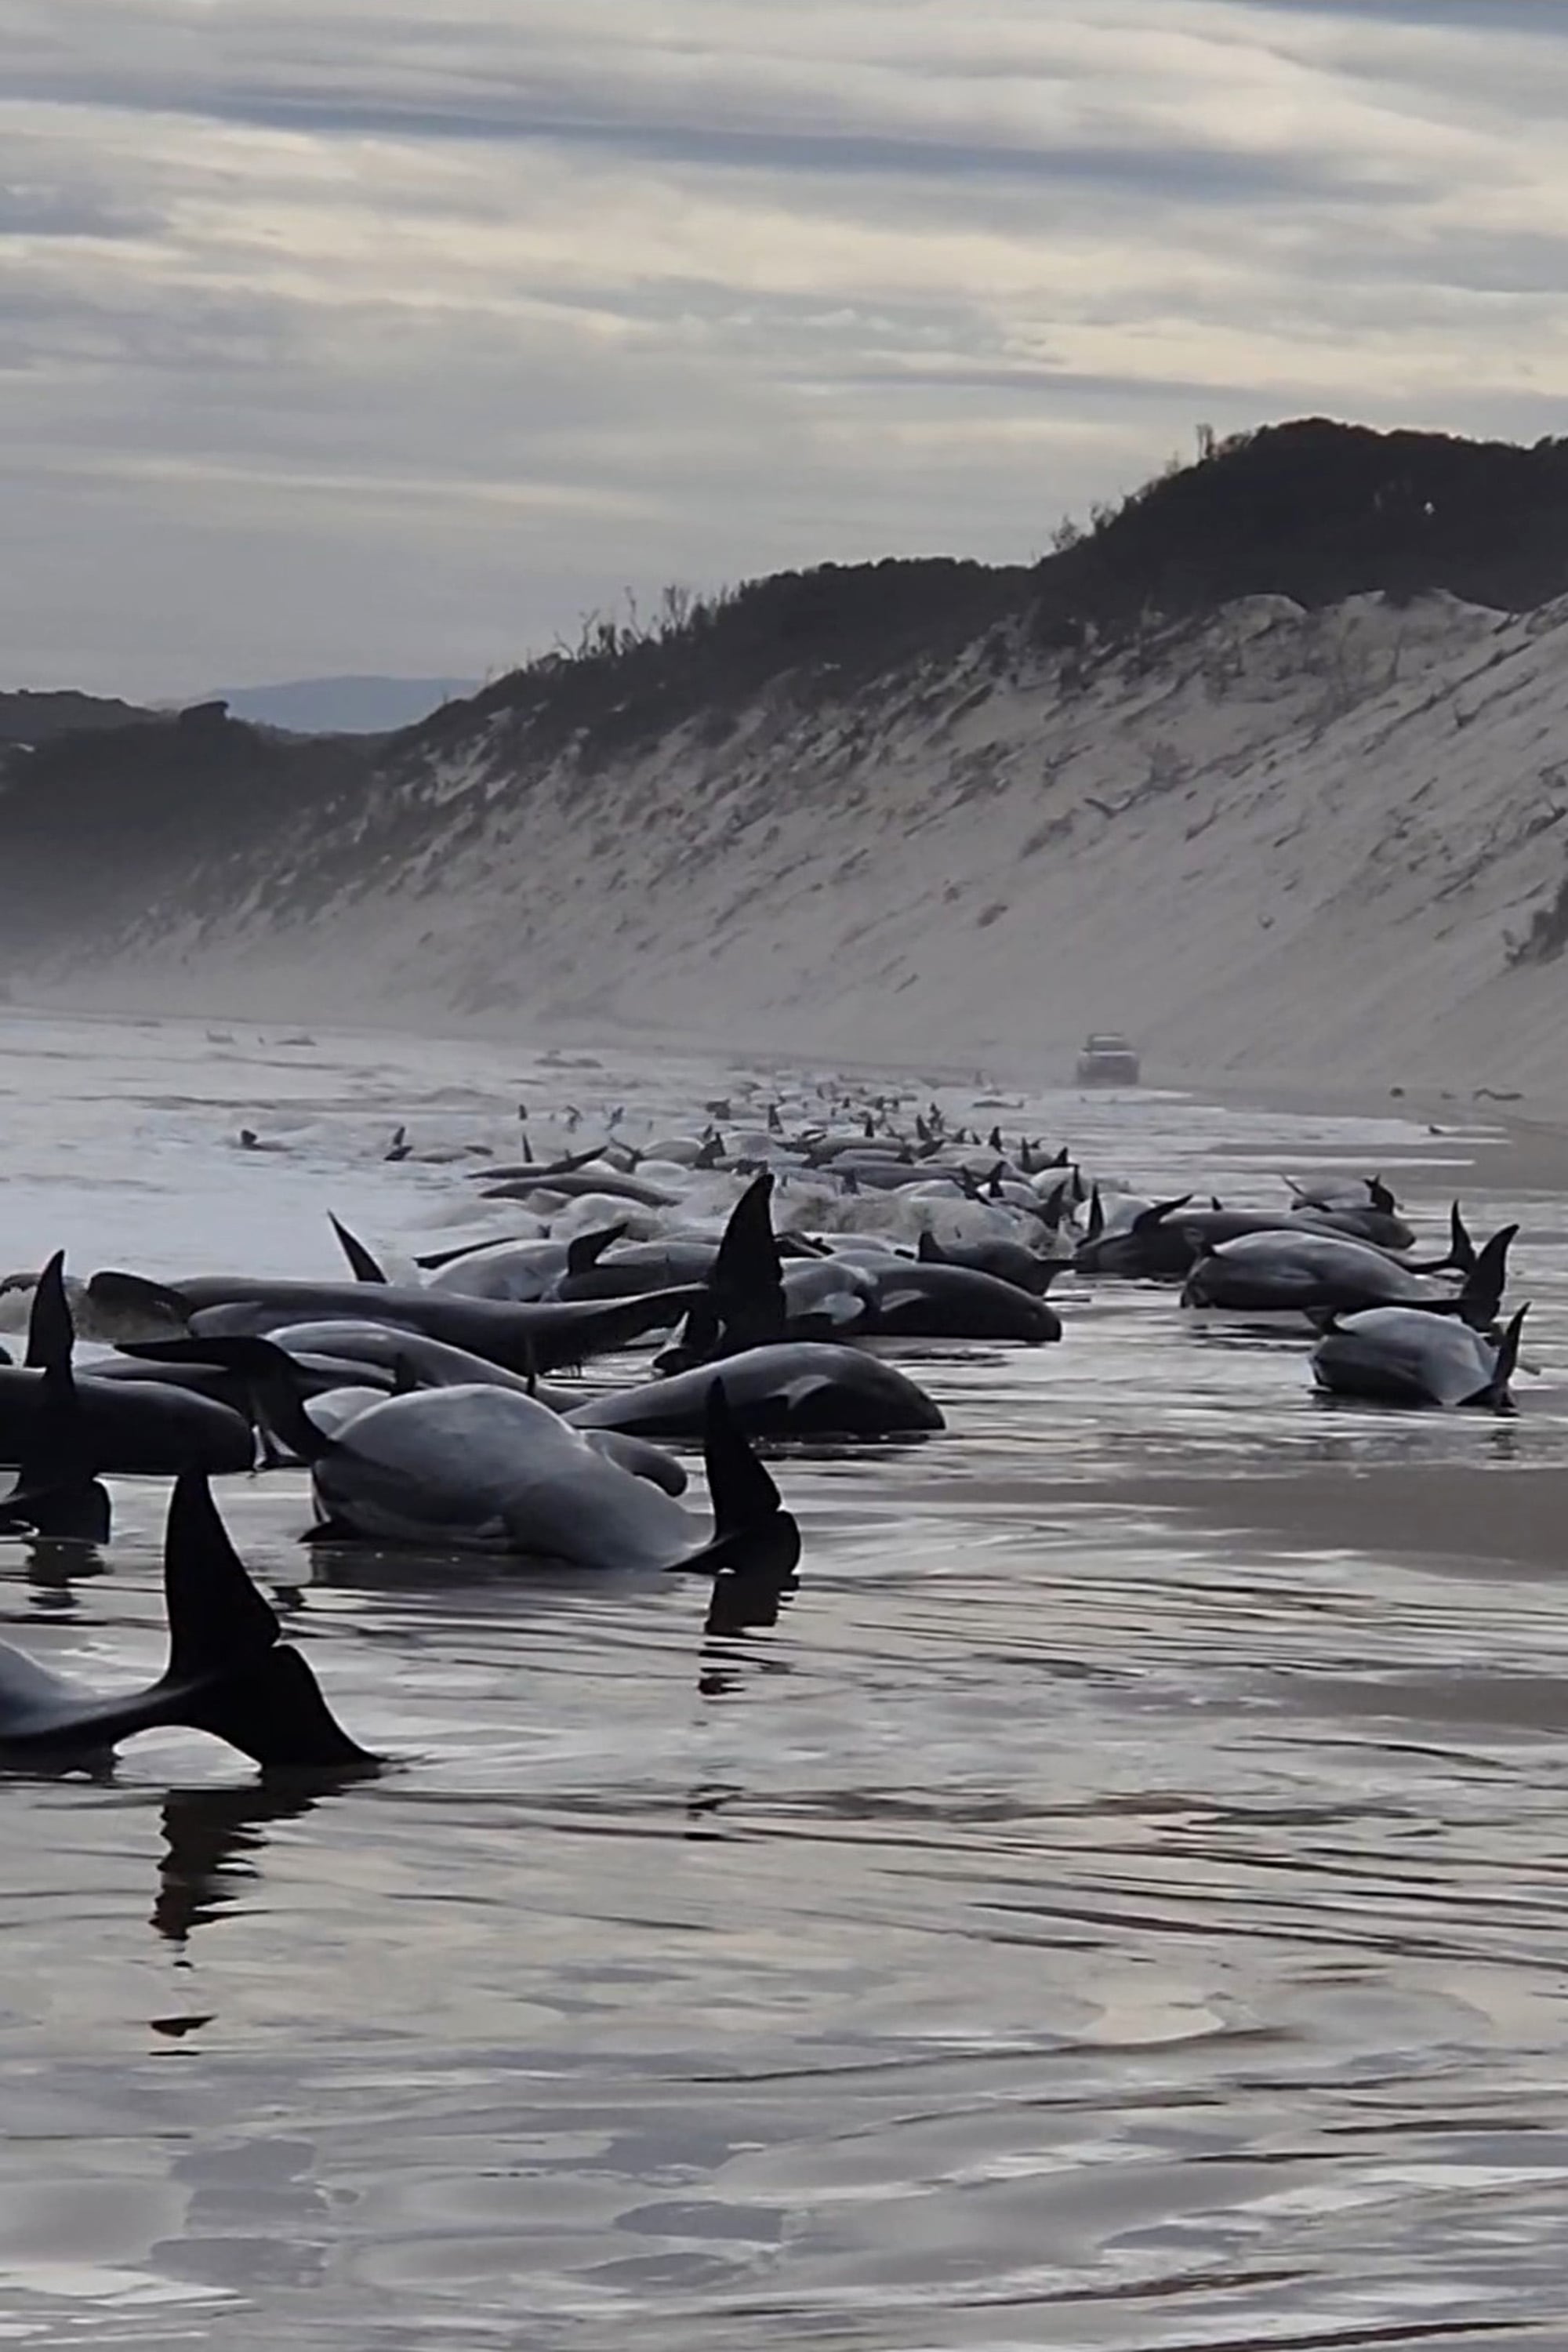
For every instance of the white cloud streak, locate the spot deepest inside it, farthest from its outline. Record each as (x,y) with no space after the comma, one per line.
(339,337)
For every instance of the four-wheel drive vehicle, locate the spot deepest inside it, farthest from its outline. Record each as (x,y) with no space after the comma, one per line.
(1107,1060)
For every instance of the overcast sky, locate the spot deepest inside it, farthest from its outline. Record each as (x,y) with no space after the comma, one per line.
(395,334)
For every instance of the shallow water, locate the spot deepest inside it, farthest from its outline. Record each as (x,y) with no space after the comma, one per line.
(1082,1921)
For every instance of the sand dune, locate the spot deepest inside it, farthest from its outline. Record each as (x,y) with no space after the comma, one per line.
(1301,847)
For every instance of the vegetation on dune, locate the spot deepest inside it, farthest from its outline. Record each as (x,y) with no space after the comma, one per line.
(103,808)
(1313,510)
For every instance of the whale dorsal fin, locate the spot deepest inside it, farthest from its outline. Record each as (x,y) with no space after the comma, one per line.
(51,1335)
(56,1493)
(584,1252)
(1149,1218)
(362,1266)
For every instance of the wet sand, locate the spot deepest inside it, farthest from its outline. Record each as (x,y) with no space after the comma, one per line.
(1120,1906)
(1479,1518)
(1521,1146)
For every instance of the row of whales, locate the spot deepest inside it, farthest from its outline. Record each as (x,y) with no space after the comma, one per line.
(417,1403)
(402,1466)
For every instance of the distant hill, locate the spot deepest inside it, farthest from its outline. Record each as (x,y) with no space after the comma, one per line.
(1267,766)
(28,718)
(343,706)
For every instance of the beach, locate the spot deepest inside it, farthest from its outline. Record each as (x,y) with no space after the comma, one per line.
(1119,1903)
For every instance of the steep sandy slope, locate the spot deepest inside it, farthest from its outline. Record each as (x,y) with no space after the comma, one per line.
(1301,844)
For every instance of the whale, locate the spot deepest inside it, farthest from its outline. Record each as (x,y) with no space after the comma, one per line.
(1345,1192)
(1007,1261)
(607,1181)
(381,1348)
(522,1338)
(62,1430)
(483,1470)
(1401,1355)
(802,1389)
(526,1272)
(915,1301)
(228,1673)
(642,1267)
(365,1362)
(1380,1226)
(130,1429)
(751,1300)
(826,1297)
(1167,1238)
(1320,1273)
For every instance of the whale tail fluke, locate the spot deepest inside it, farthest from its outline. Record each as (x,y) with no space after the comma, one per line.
(1481,1298)
(1462,1254)
(1462,1251)
(228,1673)
(755,1549)
(1498,1391)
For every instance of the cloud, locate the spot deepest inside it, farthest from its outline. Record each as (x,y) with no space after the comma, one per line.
(348,337)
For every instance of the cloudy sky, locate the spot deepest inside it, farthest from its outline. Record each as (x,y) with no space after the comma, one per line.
(395,334)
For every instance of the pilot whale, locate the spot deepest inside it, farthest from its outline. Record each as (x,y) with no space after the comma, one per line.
(62,1430)
(522,1338)
(750,1301)
(1401,1355)
(483,1469)
(802,1389)
(1318,1274)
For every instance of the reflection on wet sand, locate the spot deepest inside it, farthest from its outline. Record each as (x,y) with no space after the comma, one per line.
(212,1838)
(54,1567)
(1119,1903)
